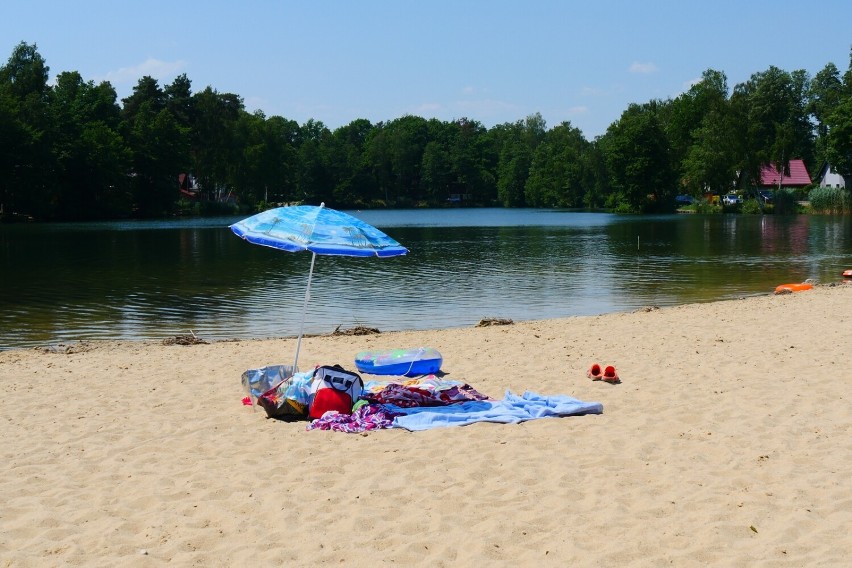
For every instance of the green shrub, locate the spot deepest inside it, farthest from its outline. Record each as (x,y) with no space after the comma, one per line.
(785,202)
(213,208)
(706,207)
(623,208)
(752,207)
(830,200)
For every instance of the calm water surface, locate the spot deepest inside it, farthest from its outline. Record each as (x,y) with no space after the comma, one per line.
(150,280)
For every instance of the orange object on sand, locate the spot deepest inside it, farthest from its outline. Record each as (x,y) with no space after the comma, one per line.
(610,376)
(595,372)
(790,288)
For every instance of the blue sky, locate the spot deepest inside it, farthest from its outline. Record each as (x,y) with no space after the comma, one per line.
(492,61)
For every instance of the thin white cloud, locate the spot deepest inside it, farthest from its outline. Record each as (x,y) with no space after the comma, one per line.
(479,109)
(637,67)
(576,110)
(468,91)
(691,83)
(482,108)
(597,92)
(256,103)
(429,108)
(152,67)
(687,85)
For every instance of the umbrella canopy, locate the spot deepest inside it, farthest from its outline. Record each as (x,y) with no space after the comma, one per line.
(319,230)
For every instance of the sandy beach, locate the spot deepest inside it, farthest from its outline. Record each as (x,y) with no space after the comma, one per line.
(727,443)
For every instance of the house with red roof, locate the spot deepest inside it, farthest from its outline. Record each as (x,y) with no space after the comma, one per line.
(794,176)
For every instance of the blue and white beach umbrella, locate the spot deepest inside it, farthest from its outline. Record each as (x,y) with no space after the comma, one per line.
(319,230)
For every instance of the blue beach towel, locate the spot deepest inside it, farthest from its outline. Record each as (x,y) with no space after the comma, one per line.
(510,410)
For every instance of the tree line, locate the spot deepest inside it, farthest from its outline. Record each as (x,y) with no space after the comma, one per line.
(70,151)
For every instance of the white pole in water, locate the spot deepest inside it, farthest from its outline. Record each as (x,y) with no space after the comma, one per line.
(637,242)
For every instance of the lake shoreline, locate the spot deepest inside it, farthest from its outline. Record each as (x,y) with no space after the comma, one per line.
(72,345)
(159,279)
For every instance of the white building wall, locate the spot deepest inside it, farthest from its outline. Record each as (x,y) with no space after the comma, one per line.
(832,179)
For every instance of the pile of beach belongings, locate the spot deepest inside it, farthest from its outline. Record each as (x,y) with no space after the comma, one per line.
(401,402)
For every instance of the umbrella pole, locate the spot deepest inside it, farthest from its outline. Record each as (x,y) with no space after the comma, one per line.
(304,311)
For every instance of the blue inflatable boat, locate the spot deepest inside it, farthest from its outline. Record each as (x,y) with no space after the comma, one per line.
(401,362)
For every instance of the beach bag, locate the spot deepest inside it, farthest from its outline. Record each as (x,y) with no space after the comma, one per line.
(334,388)
(289,398)
(258,381)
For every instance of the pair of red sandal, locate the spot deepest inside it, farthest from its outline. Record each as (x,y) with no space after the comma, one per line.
(607,374)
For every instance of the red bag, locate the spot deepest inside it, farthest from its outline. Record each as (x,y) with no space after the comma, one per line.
(334,388)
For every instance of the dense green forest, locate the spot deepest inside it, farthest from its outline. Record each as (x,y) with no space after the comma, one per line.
(69,150)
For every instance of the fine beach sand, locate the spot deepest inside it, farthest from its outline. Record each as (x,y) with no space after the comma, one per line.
(728,443)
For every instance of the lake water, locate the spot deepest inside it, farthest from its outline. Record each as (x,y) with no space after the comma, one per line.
(151,280)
